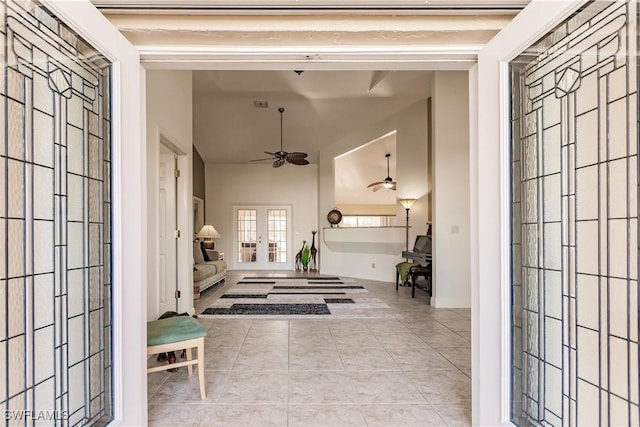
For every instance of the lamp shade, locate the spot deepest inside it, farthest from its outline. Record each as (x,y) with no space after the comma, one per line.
(208,231)
(407,203)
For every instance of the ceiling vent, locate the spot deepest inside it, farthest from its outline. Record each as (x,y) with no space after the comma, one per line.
(261,104)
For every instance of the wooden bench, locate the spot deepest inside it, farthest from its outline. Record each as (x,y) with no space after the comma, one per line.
(175,334)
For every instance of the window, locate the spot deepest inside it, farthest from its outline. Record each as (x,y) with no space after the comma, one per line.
(368,221)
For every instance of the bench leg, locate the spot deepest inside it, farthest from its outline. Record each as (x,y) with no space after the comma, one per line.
(397,279)
(203,393)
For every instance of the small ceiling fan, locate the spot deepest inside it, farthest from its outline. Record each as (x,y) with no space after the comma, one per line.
(280,157)
(388,183)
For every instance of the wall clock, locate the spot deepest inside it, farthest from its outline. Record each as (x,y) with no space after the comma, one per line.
(334,217)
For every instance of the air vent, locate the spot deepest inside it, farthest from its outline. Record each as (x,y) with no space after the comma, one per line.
(261,104)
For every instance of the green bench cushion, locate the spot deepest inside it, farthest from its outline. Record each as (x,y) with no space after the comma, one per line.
(173,329)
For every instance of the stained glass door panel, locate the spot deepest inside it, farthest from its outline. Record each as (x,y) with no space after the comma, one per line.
(55,222)
(574,211)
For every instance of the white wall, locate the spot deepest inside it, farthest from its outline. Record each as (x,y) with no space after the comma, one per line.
(169,115)
(412,163)
(451,214)
(260,184)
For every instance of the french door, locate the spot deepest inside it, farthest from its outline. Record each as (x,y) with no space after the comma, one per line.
(558,131)
(263,238)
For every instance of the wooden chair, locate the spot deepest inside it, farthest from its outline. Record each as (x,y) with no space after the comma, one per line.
(417,271)
(177,334)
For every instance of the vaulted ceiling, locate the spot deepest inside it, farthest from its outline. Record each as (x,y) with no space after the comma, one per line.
(321,106)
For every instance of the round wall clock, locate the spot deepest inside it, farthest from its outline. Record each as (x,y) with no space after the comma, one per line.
(334,217)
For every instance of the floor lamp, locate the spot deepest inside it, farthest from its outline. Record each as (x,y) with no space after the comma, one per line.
(406,204)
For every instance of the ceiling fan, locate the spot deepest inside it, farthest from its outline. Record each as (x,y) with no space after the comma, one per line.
(388,183)
(280,157)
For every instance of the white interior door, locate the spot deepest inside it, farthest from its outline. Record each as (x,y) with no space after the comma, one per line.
(167,210)
(263,238)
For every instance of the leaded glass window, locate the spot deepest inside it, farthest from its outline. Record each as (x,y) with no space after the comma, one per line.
(55,222)
(574,210)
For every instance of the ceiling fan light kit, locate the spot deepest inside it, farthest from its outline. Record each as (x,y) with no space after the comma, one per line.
(280,157)
(388,183)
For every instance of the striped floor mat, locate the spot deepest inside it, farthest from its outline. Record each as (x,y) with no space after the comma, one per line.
(298,297)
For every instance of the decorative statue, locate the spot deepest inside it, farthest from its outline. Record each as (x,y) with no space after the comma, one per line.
(314,252)
(299,256)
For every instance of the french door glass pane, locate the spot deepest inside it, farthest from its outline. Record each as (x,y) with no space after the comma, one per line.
(247,235)
(55,216)
(574,326)
(277,231)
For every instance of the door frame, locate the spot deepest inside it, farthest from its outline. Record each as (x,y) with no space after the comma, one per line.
(129,234)
(491,266)
(130,403)
(284,266)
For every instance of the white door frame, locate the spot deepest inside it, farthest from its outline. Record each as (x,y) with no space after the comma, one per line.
(290,250)
(129,205)
(489,380)
(491,323)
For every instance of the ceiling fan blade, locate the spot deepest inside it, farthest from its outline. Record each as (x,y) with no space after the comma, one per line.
(270,153)
(278,163)
(297,161)
(378,187)
(262,160)
(375,183)
(393,187)
(297,155)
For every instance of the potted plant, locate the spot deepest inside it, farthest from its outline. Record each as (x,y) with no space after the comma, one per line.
(305,257)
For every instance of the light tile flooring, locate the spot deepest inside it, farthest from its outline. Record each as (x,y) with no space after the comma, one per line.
(414,371)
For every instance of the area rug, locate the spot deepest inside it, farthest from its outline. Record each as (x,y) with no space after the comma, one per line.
(298,297)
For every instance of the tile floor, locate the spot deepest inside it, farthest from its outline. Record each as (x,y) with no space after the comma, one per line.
(413,371)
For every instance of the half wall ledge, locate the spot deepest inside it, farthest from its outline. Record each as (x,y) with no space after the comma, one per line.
(367,240)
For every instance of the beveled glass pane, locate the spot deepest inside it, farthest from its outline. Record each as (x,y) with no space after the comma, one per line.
(95,157)
(77,381)
(95,201)
(16,380)
(76,245)
(76,334)
(43,342)
(15,247)
(43,138)
(75,197)
(16,187)
(42,94)
(587,201)
(75,112)
(75,147)
(552,199)
(43,295)
(43,261)
(75,283)
(43,193)
(587,135)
